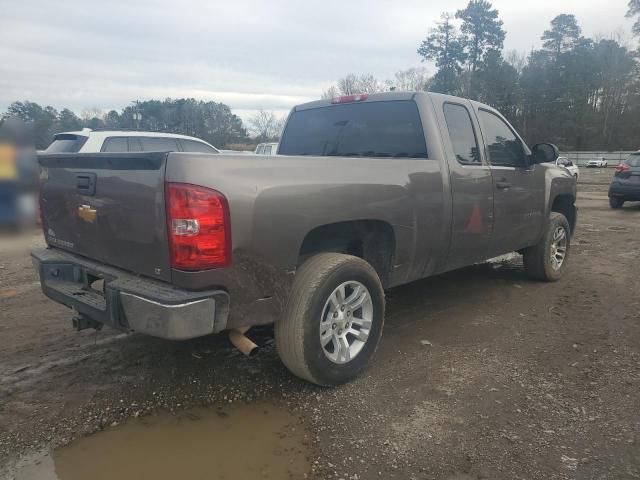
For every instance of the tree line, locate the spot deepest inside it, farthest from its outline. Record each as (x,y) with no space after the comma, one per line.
(580,93)
(210,121)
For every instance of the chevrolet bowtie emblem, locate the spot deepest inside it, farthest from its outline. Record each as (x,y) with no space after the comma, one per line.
(86,213)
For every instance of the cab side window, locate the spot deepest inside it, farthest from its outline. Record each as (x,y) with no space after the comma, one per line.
(462,134)
(504,148)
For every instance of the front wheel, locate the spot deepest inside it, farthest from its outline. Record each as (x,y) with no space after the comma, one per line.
(333,320)
(547,260)
(616,202)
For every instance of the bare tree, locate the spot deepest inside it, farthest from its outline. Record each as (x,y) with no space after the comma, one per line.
(332,92)
(265,125)
(410,80)
(349,85)
(91,113)
(516,59)
(369,84)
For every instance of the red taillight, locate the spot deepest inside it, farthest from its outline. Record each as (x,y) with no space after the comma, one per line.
(622,167)
(198,224)
(350,98)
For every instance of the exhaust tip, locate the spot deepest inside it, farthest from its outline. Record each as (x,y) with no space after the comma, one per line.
(243,343)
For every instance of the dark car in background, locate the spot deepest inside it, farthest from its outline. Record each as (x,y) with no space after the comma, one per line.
(625,186)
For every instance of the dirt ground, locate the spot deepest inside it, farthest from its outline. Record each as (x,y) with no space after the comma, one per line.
(481,373)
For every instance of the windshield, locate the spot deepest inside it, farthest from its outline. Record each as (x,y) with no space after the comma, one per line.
(374,129)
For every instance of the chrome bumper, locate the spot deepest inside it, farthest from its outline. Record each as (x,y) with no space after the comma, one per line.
(174,322)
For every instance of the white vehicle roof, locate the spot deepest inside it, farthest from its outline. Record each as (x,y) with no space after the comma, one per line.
(95,138)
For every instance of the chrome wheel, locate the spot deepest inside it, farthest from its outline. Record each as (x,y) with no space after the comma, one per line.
(558,247)
(346,322)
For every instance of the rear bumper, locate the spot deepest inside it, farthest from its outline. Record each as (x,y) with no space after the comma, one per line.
(125,301)
(628,192)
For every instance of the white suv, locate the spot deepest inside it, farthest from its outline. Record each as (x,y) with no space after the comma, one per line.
(117,141)
(569,165)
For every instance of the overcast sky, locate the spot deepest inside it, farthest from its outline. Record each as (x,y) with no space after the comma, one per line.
(248,54)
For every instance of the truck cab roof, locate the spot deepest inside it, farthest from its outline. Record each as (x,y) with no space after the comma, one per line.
(384,96)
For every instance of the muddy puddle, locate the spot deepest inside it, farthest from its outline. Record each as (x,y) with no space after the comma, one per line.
(235,443)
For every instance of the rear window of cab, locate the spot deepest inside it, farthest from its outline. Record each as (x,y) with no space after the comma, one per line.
(367,129)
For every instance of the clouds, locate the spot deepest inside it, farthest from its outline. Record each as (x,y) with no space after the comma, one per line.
(249,54)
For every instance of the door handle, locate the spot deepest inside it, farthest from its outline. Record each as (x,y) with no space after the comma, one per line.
(86,183)
(502,185)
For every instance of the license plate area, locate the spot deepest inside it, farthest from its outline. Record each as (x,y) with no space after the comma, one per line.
(77,284)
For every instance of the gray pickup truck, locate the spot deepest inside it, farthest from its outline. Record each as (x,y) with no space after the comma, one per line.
(367,192)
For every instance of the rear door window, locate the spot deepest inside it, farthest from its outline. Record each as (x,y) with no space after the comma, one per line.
(66,143)
(260,150)
(462,134)
(115,144)
(159,144)
(368,129)
(267,150)
(193,146)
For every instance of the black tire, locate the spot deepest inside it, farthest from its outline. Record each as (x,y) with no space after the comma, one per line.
(537,259)
(616,202)
(298,332)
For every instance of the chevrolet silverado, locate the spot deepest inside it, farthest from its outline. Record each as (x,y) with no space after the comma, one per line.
(367,192)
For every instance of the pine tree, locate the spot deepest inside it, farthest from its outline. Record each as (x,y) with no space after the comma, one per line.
(443,46)
(563,36)
(482,31)
(634,11)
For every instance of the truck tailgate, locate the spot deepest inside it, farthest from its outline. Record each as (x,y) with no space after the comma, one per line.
(109,208)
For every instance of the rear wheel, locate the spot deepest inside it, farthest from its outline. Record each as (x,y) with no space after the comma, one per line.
(547,260)
(616,202)
(333,320)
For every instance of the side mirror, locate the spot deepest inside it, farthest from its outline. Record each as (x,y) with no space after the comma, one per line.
(544,153)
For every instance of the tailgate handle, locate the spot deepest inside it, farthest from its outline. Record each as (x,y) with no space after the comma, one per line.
(86,183)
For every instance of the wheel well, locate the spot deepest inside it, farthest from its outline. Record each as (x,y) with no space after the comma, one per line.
(564,204)
(371,240)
